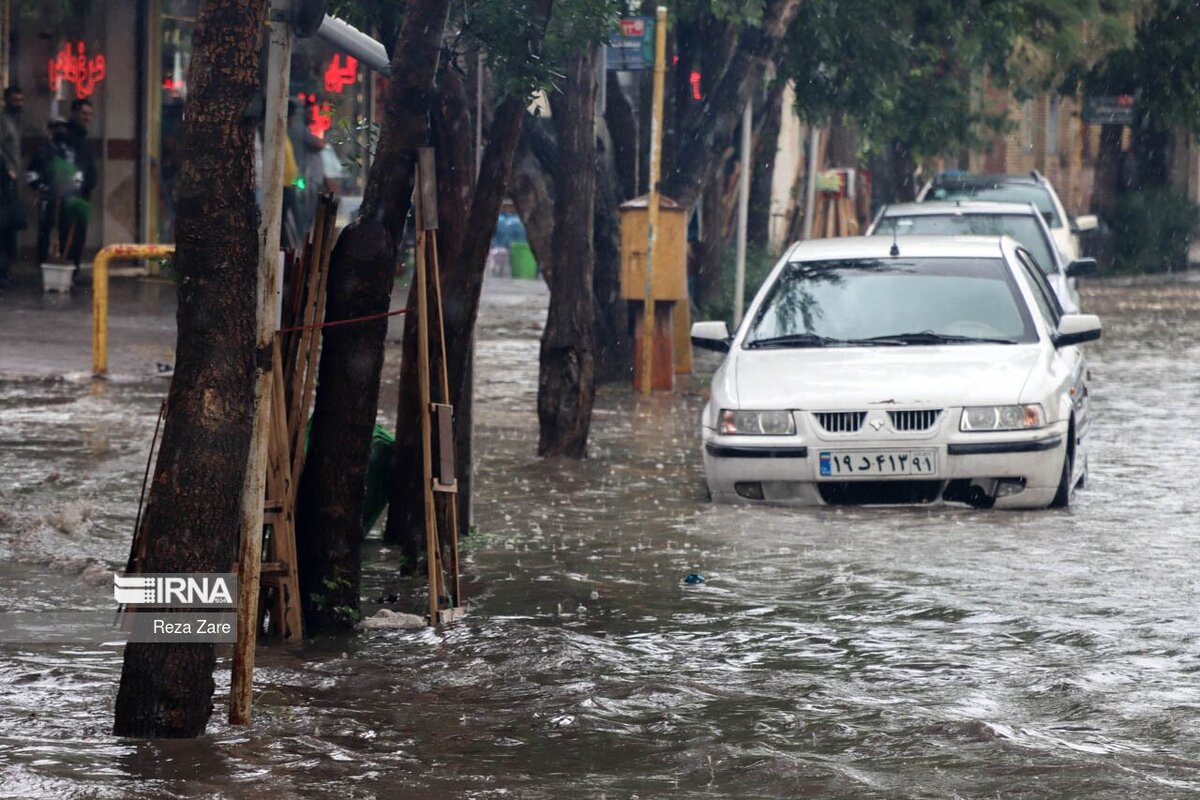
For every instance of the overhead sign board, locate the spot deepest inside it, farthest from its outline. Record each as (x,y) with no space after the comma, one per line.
(1113,110)
(631,46)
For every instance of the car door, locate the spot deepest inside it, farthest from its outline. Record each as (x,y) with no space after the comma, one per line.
(1071,356)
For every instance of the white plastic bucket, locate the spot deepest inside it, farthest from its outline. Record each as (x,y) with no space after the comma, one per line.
(57,277)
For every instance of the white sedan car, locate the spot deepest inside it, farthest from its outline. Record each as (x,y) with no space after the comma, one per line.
(925,369)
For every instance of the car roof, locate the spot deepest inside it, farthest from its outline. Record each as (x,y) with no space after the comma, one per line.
(965,179)
(860,247)
(936,207)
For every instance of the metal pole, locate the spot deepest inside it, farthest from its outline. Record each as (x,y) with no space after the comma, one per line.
(739,286)
(810,191)
(279,58)
(660,67)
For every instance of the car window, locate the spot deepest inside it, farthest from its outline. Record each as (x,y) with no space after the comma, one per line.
(1024,228)
(1005,193)
(1043,294)
(870,298)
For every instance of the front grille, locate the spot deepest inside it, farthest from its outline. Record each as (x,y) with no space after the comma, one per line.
(841,421)
(905,421)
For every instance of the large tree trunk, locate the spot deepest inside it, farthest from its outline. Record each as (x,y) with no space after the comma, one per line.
(1108,170)
(362,272)
(768,121)
(462,284)
(904,171)
(191,518)
(623,129)
(703,147)
(566,378)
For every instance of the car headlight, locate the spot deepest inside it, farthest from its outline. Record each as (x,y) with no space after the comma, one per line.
(757,423)
(1002,418)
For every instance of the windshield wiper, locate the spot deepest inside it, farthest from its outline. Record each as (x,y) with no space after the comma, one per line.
(931,337)
(798,340)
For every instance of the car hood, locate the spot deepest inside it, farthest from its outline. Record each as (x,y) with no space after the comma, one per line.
(860,377)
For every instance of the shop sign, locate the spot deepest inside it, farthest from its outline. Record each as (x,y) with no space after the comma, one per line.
(320,115)
(341,72)
(1114,110)
(72,64)
(631,47)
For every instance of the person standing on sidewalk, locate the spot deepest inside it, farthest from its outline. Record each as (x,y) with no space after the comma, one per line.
(77,132)
(12,212)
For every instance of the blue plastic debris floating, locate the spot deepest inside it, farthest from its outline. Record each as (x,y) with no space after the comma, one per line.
(693,578)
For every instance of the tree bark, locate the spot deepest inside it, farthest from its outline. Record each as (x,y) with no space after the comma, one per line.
(566,378)
(462,284)
(702,148)
(769,120)
(623,129)
(362,273)
(191,519)
(614,344)
(904,182)
(1108,169)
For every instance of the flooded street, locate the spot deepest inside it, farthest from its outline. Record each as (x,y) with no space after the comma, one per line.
(833,653)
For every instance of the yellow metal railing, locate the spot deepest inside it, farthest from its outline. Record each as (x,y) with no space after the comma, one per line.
(124,252)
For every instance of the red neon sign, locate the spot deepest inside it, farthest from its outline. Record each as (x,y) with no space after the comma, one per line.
(320,115)
(72,65)
(340,73)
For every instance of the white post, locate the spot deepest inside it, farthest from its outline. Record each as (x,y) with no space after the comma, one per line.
(279,58)
(810,192)
(739,286)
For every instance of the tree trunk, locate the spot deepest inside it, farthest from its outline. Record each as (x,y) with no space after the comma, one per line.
(769,119)
(623,129)
(1108,170)
(462,284)
(703,147)
(614,345)
(191,519)
(566,379)
(533,188)
(362,273)
(904,182)
(708,259)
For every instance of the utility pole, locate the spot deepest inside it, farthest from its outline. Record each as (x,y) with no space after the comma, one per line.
(660,67)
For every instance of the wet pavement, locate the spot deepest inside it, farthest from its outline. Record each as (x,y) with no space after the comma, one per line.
(840,653)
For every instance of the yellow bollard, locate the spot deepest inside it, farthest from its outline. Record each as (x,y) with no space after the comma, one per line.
(100,293)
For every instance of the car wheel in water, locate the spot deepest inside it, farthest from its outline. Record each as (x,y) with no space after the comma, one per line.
(1062,498)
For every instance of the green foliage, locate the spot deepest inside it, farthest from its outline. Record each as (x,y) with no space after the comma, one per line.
(1152,230)
(1161,68)
(759,263)
(504,28)
(905,70)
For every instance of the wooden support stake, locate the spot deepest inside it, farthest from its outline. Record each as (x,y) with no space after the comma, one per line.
(423,195)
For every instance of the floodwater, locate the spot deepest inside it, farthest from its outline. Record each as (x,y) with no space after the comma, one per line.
(852,653)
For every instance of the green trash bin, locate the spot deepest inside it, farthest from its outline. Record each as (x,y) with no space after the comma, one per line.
(521,258)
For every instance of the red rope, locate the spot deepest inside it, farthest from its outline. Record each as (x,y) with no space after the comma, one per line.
(335,323)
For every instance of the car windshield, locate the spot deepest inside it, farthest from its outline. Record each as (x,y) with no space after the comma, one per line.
(1005,193)
(892,302)
(1025,229)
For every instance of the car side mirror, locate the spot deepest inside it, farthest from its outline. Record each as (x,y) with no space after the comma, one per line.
(1077,329)
(711,336)
(1087,222)
(1081,267)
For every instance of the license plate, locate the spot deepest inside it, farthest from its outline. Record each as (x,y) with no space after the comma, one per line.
(865,463)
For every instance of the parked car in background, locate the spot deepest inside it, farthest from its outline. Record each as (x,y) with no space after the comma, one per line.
(1023,222)
(1031,188)
(911,371)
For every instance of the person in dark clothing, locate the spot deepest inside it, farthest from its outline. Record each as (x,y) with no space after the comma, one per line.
(77,131)
(12,218)
(53,171)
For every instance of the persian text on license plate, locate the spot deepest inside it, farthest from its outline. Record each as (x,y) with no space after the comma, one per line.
(855,463)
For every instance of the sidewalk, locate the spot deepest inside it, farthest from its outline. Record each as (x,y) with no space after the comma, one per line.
(44,335)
